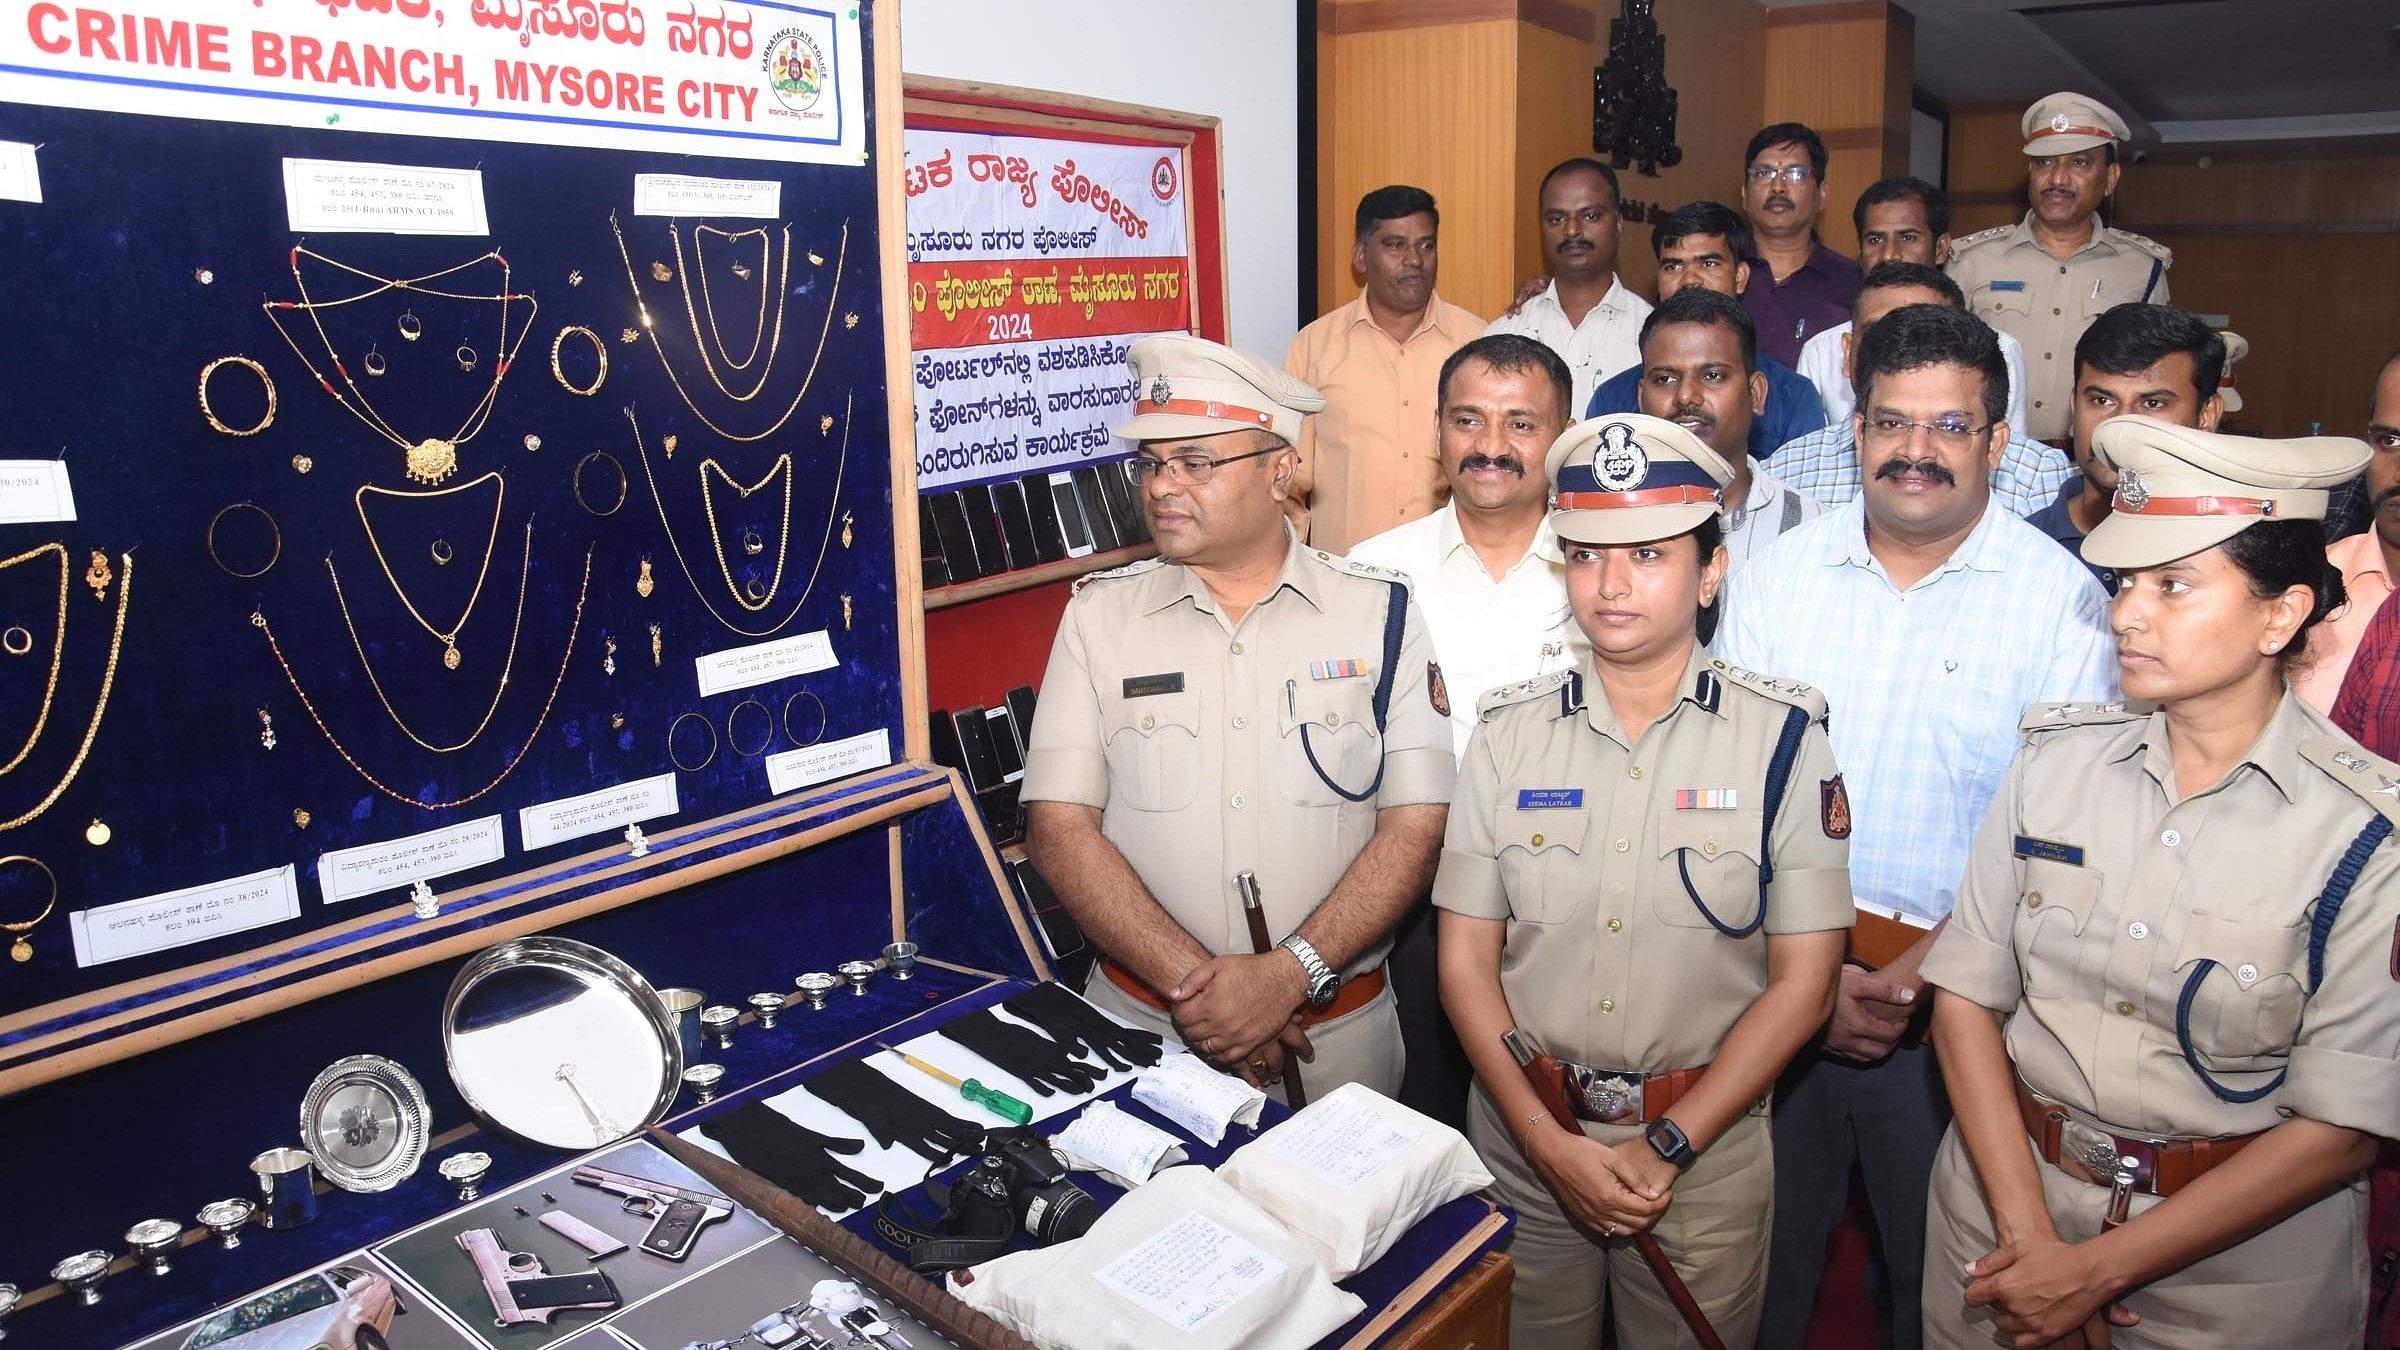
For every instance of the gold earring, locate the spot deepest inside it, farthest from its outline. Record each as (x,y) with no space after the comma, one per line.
(266,729)
(608,661)
(644,584)
(657,646)
(97,576)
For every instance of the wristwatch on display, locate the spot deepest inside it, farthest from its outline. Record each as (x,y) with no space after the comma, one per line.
(1323,980)
(1668,1141)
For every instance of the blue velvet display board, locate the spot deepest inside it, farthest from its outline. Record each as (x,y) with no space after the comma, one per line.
(155,245)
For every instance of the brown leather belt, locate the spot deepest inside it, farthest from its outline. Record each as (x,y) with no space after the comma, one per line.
(1355,994)
(1621,1097)
(2088,1153)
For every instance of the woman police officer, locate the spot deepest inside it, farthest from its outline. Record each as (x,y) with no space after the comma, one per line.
(1645,875)
(2171,966)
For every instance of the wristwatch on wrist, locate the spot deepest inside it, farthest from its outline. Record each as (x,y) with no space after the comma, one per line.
(1323,980)
(1667,1141)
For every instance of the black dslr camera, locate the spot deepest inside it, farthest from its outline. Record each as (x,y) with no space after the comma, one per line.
(1018,1184)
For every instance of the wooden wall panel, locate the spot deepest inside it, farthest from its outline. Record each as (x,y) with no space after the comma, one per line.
(1986,167)
(1716,61)
(1846,71)
(1554,122)
(2355,193)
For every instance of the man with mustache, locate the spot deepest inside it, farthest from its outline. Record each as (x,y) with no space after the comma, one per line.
(2048,276)
(1825,464)
(1700,371)
(2369,561)
(1585,314)
(1366,463)
(1705,244)
(1930,616)
(1800,287)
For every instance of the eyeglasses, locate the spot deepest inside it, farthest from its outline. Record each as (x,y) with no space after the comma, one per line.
(1188,470)
(1951,433)
(1794,174)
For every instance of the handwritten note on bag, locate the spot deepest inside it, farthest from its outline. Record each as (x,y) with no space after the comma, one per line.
(1188,1272)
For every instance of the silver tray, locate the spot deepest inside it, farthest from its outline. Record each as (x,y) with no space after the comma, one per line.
(363,1120)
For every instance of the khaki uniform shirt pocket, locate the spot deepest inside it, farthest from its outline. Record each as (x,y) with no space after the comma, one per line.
(2055,905)
(2248,1006)
(1709,858)
(1339,719)
(1152,746)
(1541,861)
(1991,304)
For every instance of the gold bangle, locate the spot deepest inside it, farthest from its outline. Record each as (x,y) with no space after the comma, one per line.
(793,702)
(624,485)
(764,742)
(17,640)
(219,559)
(22,950)
(599,349)
(676,725)
(263,378)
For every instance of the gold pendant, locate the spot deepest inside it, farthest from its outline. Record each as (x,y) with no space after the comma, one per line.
(825,425)
(669,443)
(657,646)
(97,834)
(845,614)
(643,585)
(302,463)
(97,576)
(845,529)
(301,817)
(20,951)
(450,657)
(431,460)
(659,271)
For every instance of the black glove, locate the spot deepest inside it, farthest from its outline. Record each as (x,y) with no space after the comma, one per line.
(797,1158)
(1040,1061)
(892,1113)
(1079,1026)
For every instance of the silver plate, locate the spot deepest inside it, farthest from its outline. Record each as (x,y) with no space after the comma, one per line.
(560,1043)
(363,1121)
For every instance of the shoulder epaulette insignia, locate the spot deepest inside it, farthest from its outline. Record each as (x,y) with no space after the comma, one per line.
(2040,717)
(2375,779)
(1354,567)
(1980,236)
(2147,245)
(1789,692)
(1131,569)
(1523,691)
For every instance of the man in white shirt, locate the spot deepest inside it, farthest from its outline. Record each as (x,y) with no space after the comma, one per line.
(1484,568)
(1898,220)
(1700,370)
(1585,314)
(1930,615)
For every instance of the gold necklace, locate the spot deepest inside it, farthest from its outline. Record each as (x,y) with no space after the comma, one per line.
(432,459)
(58,649)
(507,668)
(258,620)
(108,683)
(650,329)
(783,541)
(449,640)
(758,333)
(833,509)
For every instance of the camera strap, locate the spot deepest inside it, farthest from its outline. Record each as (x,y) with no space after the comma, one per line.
(961,1235)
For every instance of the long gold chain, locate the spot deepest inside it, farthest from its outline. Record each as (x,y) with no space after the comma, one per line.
(758,334)
(783,540)
(524,584)
(58,650)
(432,459)
(833,511)
(258,620)
(650,329)
(108,682)
(449,640)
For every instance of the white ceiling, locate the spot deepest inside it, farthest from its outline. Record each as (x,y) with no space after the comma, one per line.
(2181,71)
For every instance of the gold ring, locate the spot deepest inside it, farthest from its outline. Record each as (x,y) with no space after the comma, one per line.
(411,327)
(17,641)
(793,702)
(442,552)
(263,378)
(599,349)
(466,358)
(373,362)
(219,560)
(677,725)
(764,741)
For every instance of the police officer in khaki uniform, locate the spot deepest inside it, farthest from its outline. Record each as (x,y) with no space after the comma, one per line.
(2045,278)
(1646,877)
(1239,704)
(2174,965)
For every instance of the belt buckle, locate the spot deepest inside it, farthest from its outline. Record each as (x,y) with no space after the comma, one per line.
(2090,1154)
(1607,1096)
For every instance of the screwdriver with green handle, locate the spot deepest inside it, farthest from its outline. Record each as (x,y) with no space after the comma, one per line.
(998,1103)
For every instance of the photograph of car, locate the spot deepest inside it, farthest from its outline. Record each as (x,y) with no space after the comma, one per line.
(338,1308)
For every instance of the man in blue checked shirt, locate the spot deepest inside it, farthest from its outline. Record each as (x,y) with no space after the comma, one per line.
(1930,615)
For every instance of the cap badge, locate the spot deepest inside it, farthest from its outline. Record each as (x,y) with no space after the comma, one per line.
(2059,122)
(1161,392)
(2132,493)
(1621,462)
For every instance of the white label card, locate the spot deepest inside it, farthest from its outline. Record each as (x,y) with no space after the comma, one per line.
(368,869)
(764,662)
(1189,1271)
(598,812)
(833,759)
(340,196)
(1342,1139)
(157,923)
(1124,1145)
(676,194)
(20,173)
(35,491)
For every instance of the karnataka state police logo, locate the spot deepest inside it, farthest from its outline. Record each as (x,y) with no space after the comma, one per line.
(1621,461)
(796,69)
(2132,493)
(1161,392)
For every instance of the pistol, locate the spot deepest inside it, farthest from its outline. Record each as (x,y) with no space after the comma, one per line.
(521,1291)
(676,1215)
